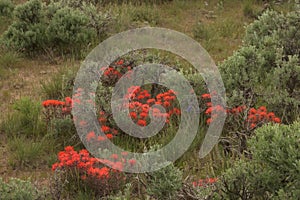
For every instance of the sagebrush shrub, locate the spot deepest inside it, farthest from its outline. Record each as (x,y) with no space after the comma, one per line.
(266,68)
(6,7)
(273,171)
(19,189)
(60,27)
(164,183)
(69,28)
(27,33)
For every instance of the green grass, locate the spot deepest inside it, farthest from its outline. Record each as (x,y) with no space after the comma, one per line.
(26,152)
(24,120)
(61,83)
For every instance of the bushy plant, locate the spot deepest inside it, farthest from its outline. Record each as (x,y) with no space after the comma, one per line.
(19,189)
(82,172)
(69,28)
(59,26)
(6,7)
(266,68)
(164,183)
(273,171)
(28,30)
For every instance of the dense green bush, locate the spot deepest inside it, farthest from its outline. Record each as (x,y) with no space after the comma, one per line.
(273,171)
(164,183)
(28,30)
(6,7)
(266,70)
(58,26)
(19,189)
(69,28)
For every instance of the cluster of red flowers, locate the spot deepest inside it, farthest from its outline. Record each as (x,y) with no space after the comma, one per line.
(65,106)
(140,103)
(205,182)
(261,115)
(89,167)
(57,109)
(211,109)
(113,73)
(108,131)
(254,116)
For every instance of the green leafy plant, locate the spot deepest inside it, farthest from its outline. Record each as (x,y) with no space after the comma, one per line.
(58,27)
(273,171)
(265,70)
(19,189)
(164,183)
(28,30)
(6,7)
(69,28)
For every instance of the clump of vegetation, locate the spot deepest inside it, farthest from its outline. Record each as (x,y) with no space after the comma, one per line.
(6,7)
(24,120)
(164,183)
(59,26)
(265,70)
(273,171)
(19,189)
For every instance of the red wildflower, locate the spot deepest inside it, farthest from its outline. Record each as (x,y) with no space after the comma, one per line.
(142,122)
(91,135)
(105,129)
(277,120)
(109,136)
(205,96)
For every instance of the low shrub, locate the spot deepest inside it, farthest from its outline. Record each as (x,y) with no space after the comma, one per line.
(6,7)
(27,32)
(84,173)
(273,171)
(164,183)
(57,27)
(19,189)
(265,70)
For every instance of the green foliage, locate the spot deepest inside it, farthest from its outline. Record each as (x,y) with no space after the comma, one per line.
(265,70)
(28,30)
(64,131)
(24,120)
(19,189)
(164,183)
(201,31)
(125,195)
(60,27)
(26,153)
(69,28)
(273,172)
(60,85)
(146,14)
(10,60)
(6,7)
(251,10)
